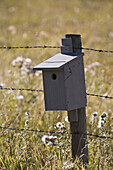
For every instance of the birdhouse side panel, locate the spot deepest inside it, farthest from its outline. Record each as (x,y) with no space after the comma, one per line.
(75,84)
(54,92)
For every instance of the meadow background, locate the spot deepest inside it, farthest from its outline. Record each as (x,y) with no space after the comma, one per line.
(44,22)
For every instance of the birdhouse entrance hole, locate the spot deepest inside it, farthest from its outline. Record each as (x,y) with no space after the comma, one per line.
(54,76)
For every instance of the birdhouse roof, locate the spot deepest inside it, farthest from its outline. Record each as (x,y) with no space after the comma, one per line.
(57,62)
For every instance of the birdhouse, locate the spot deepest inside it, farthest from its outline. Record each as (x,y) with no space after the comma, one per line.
(63,81)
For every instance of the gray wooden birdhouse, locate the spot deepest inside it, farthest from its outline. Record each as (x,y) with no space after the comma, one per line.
(63,80)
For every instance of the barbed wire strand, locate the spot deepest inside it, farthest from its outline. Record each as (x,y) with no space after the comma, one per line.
(101,51)
(52,132)
(97,95)
(50,46)
(45,46)
(22,89)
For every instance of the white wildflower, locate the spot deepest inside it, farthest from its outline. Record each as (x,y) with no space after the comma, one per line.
(63,151)
(44,138)
(65,163)
(37,73)
(24,70)
(60,126)
(77,10)
(95,64)
(14,63)
(52,139)
(27,62)
(101,122)
(24,147)
(68,166)
(24,35)
(86,69)
(71,165)
(93,72)
(49,140)
(18,61)
(9,71)
(1,85)
(111,34)
(90,68)
(44,34)
(26,123)
(66,119)
(104,134)
(20,98)
(102,119)
(27,114)
(104,115)
(24,65)
(12,9)
(12,29)
(93,116)
(102,71)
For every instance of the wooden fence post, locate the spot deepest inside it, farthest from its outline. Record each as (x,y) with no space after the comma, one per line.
(77,117)
(64,89)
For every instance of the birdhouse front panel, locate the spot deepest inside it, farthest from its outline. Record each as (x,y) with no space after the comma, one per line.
(54,90)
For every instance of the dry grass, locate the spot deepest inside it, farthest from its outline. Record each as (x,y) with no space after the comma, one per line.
(45,23)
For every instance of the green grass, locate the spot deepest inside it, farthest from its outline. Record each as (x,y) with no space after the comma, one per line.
(44,22)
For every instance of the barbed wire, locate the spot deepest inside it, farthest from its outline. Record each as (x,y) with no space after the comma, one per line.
(53,132)
(22,89)
(96,50)
(50,46)
(97,95)
(44,46)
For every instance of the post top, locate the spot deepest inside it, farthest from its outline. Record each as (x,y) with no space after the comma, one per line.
(71,44)
(57,62)
(72,35)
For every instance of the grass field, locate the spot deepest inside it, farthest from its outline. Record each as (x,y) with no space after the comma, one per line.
(44,22)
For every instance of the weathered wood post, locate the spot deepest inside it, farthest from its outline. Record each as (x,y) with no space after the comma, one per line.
(64,89)
(77,117)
